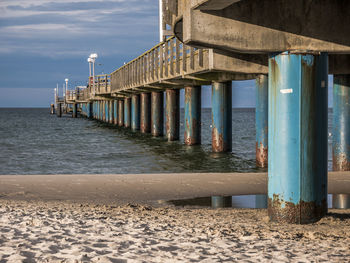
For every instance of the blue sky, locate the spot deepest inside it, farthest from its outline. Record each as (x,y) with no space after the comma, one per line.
(43,42)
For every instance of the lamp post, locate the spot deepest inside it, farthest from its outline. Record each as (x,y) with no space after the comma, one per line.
(93,58)
(65,93)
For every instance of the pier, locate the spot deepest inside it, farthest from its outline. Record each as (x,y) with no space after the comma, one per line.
(217,42)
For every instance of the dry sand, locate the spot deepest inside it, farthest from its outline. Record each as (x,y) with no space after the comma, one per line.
(70,232)
(66,219)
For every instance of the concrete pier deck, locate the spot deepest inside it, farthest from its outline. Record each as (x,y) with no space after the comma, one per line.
(143,188)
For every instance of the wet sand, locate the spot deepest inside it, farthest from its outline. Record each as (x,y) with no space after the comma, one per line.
(105,219)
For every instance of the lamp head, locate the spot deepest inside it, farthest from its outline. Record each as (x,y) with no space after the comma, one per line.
(93,56)
(66,80)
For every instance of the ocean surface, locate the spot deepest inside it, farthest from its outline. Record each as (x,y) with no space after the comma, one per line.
(34,142)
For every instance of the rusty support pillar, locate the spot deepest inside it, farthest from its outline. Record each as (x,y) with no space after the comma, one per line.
(120,113)
(221,103)
(193,105)
(172,114)
(135,112)
(145,121)
(157,112)
(75,110)
(127,112)
(341,133)
(297,163)
(59,110)
(110,113)
(115,112)
(261,120)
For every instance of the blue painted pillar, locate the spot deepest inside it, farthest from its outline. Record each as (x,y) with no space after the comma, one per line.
(172,114)
(221,112)
(127,112)
(135,112)
(261,120)
(341,133)
(115,112)
(110,113)
(157,114)
(297,134)
(120,113)
(145,119)
(193,105)
(100,110)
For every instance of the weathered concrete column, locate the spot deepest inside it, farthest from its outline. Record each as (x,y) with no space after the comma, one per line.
(261,120)
(127,112)
(145,120)
(111,109)
(120,113)
(90,109)
(341,133)
(59,110)
(106,111)
(172,114)
(115,112)
(135,112)
(75,110)
(100,110)
(297,165)
(157,112)
(193,106)
(52,109)
(221,112)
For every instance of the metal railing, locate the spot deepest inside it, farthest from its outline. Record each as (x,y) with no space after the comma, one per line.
(169,59)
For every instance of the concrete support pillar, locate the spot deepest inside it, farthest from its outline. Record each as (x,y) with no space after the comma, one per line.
(52,109)
(100,110)
(90,110)
(111,109)
(193,105)
(127,112)
(115,112)
(341,133)
(172,114)
(75,110)
(135,112)
(106,111)
(261,120)
(221,201)
(59,110)
(120,113)
(145,120)
(221,112)
(297,134)
(157,112)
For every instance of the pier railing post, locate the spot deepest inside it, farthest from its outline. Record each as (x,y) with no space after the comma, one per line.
(297,135)
(192,121)
(341,133)
(221,116)
(135,112)
(145,121)
(261,120)
(157,112)
(172,114)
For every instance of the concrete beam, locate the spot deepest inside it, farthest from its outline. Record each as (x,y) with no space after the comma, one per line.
(267,26)
(214,4)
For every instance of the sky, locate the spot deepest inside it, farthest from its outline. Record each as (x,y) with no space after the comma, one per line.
(45,41)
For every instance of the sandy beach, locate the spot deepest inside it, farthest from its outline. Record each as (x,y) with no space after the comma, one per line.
(43,223)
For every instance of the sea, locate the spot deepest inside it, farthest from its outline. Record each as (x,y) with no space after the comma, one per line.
(34,142)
